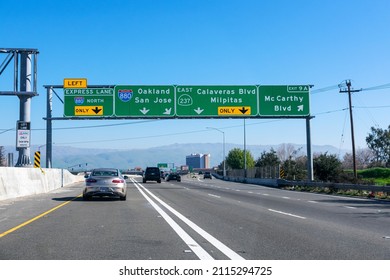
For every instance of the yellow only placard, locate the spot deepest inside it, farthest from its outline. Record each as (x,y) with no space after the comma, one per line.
(234,110)
(88,110)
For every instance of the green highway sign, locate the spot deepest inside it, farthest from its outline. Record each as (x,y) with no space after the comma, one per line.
(284,101)
(216,101)
(88,102)
(144,101)
(136,101)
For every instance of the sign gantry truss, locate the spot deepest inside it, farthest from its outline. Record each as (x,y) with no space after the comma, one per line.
(179,101)
(93,102)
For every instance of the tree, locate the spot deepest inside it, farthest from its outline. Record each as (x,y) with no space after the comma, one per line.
(295,169)
(363,159)
(378,141)
(268,159)
(235,159)
(286,151)
(327,167)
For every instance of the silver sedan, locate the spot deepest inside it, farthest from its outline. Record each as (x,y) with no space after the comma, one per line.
(105,182)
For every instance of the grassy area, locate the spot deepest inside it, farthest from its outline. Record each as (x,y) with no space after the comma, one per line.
(378,175)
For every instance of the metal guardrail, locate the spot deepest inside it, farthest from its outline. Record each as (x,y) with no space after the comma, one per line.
(279,183)
(343,186)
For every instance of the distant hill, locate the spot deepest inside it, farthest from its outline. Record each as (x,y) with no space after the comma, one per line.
(64,157)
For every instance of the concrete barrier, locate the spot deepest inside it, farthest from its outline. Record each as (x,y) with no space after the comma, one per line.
(17,182)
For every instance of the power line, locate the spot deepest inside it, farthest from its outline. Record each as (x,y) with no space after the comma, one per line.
(328,88)
(83,127)
(372,107)
(133,138)
(377,87)
(329,112)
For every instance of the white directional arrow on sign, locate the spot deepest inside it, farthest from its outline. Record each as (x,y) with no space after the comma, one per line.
(144,111)
(198,111)
(167,111)
(300,108)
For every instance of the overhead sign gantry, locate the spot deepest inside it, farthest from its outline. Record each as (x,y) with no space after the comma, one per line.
(82,101)
(188,101)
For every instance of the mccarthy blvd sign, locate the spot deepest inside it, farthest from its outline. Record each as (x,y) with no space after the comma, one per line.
(183,101)
(284,101)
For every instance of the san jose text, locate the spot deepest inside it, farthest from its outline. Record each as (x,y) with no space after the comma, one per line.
(152,95)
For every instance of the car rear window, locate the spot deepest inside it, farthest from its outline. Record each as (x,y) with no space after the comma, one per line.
(104,173)
(151,169)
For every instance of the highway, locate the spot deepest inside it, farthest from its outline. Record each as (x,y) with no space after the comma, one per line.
(194,219)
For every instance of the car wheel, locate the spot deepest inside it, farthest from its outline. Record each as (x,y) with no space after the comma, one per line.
(123,197)
(143,181)
(158,181)
(85,197)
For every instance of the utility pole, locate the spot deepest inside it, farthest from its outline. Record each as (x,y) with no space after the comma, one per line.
(349,91)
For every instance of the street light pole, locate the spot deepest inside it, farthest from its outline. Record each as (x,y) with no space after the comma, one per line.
(244,150)
(224,158)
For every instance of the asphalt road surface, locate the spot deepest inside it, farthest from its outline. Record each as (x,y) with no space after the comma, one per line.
(194,219)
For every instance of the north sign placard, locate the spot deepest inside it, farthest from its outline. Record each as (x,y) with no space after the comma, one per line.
(144,101)
(284,101)
(216,101)
(88,102)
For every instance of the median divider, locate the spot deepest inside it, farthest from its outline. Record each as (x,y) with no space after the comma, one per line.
(18,182)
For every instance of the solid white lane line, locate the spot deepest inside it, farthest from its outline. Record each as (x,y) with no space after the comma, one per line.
(191,243)
(311,201)
(213,195)
(350,207)
(215,242)
(288,214)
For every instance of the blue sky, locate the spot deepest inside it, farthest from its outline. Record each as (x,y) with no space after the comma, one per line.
(116,42)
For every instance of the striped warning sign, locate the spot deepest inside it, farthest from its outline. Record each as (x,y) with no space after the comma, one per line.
(281,173)
(37,159)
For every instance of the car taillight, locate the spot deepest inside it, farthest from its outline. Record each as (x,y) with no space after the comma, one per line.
(118,181)
(91,180)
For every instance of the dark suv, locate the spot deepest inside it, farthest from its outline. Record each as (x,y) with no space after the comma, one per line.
(152,174)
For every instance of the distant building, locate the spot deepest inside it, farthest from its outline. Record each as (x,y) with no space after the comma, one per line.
(198,161)
(206,160)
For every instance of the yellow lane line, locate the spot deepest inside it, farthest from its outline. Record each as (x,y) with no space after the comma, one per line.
(37,217)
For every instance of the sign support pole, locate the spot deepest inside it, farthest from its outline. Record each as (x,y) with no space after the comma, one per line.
(25,106)
(310,175)
(49,133)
